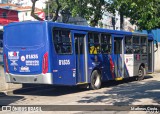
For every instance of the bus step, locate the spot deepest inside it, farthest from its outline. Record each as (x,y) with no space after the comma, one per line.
(81,83)
(119,78)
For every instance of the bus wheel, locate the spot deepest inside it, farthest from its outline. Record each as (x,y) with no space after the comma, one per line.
(95,80)
(141,73)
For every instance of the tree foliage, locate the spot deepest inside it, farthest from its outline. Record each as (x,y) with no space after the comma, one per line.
(144,13)
(91,10)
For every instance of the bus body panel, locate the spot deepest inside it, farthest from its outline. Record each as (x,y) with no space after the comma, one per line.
(64,72)
(129,58)
(25,62)
(102,64)
(106,67)
(37,79)
(135,60)
(25,57)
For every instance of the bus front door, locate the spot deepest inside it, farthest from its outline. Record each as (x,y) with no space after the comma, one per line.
(81,57)
(118,57)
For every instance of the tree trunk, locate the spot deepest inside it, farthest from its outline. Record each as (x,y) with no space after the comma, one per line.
(33,9)
(57,11)
(93,23)
(121,21)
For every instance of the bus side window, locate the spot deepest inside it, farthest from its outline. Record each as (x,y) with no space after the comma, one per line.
(128,45)
(62,41)
(136,44)
(143,44)
(106,43)
(94,43)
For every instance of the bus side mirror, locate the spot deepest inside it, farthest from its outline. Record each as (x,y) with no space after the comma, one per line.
(156,45)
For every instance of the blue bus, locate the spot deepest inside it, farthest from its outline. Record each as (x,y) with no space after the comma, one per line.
(1,47)
(63,54)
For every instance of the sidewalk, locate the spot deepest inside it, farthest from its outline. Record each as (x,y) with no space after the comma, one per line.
(6,86)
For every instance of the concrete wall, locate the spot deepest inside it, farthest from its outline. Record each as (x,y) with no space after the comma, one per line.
(157,59)
(156,35)
(6,86)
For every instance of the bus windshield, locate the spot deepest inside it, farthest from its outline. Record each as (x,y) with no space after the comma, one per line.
(24,36)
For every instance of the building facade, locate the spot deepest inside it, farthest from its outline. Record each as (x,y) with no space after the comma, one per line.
(13,13)
(41,4)
(110,21)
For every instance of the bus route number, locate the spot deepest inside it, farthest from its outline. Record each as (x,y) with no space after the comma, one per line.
(64,62)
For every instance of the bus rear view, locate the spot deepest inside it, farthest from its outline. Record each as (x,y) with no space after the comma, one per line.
(25,53)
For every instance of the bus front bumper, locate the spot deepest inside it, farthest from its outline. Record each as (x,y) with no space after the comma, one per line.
(37,79)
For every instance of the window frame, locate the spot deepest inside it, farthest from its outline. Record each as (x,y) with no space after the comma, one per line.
(4,14)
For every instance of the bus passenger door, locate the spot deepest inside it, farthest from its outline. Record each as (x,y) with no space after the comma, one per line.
(81,57)
(119,57)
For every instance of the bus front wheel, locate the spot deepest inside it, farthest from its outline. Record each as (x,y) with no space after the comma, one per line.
(95,80)
(141,73)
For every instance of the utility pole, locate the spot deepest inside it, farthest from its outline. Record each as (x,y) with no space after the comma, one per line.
(48,11)
(113,22)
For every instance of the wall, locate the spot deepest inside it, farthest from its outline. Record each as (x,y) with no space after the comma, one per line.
(12,16)
(24,16)
(156,36)
(157,59)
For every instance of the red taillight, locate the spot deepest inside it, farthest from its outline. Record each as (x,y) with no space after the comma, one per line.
(6,63)
(45,63)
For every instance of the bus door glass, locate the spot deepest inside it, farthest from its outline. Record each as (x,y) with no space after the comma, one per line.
(81,57)
(118,56)
(150,56)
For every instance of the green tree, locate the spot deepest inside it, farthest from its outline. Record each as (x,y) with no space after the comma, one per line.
(91,10)
(144,13)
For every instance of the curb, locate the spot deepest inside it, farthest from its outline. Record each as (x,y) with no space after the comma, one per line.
(153,73)
(24,90)
(2,94)
(5,93)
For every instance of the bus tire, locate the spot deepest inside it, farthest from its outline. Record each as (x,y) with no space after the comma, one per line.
(141,73)
(95,80)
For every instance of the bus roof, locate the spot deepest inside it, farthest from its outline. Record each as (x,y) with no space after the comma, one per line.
(80,28)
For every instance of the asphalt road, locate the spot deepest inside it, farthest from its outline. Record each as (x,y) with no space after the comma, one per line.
(122,93)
